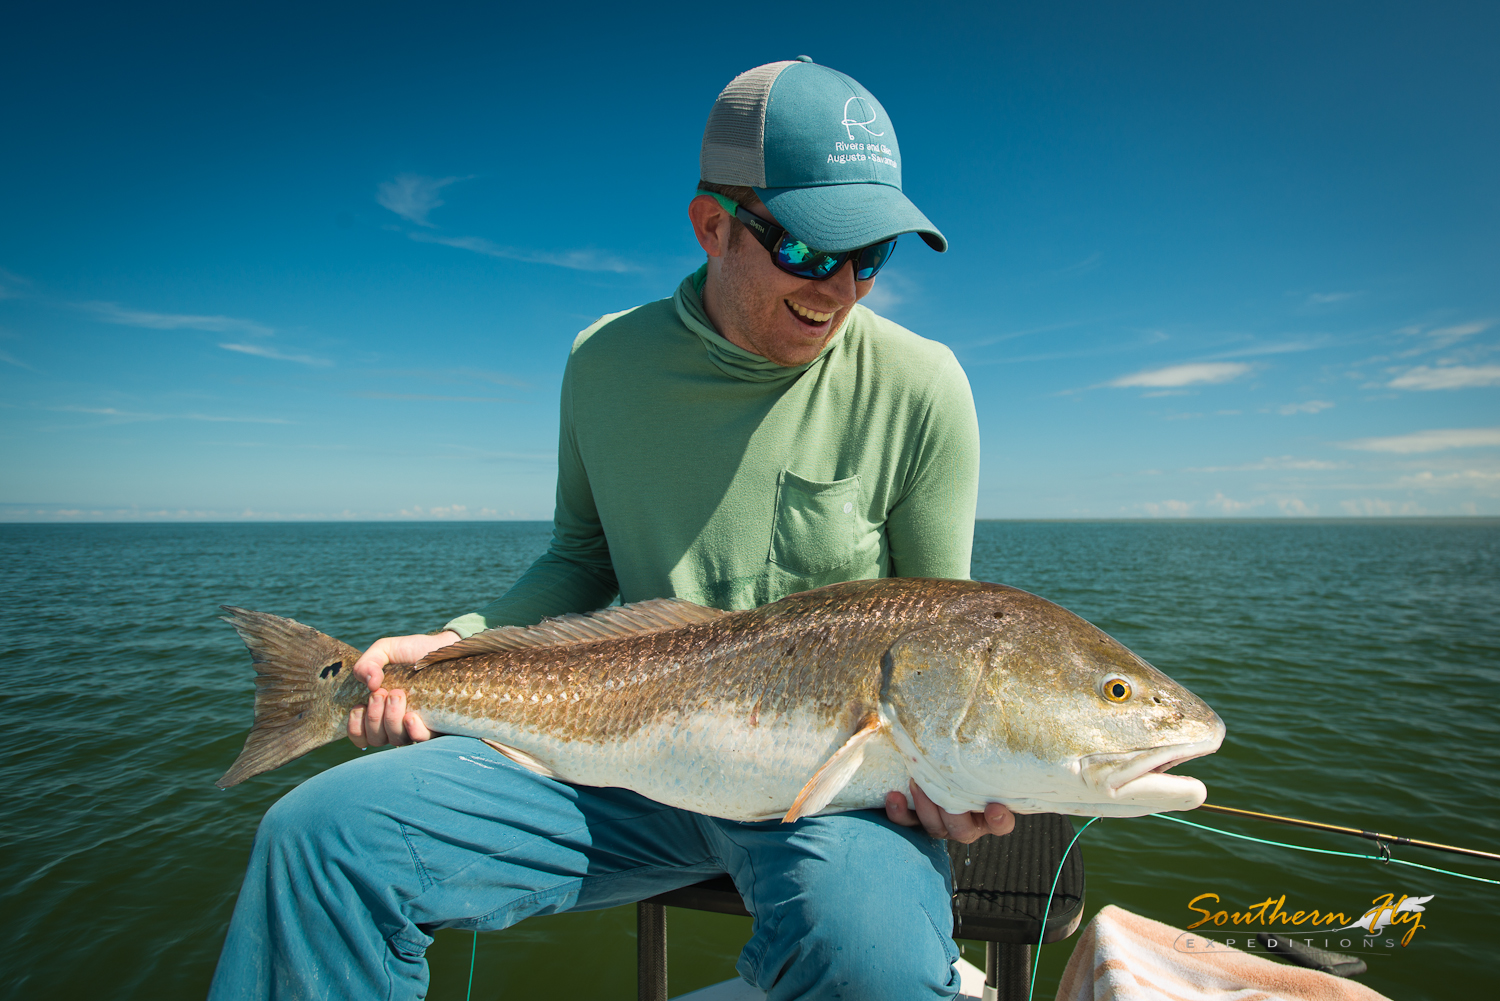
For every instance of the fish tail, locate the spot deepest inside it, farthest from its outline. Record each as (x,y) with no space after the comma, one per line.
(304,689)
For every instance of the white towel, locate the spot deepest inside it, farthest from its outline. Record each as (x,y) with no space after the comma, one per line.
(1122,956)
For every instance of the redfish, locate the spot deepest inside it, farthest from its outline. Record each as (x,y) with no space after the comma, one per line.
(820,702)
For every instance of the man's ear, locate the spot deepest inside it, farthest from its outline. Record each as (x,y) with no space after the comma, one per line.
(710,224)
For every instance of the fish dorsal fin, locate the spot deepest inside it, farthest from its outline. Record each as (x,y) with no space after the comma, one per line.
(635,619)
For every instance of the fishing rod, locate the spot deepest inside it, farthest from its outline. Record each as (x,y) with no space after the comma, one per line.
(1382,839)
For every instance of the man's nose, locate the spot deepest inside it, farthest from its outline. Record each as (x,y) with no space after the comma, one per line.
(840,285)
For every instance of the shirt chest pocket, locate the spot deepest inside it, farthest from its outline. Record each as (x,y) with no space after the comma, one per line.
(817,524)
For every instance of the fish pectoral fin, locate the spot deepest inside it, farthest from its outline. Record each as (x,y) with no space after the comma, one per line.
(523,759)
(836,772)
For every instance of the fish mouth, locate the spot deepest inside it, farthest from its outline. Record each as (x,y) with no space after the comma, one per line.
(1114,773)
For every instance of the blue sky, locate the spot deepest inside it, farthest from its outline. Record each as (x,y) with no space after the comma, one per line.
(325,261)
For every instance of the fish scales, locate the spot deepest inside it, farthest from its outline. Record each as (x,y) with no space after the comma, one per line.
(825,700)
(655,674)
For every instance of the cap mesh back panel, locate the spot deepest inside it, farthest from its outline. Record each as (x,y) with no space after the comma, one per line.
(732,142)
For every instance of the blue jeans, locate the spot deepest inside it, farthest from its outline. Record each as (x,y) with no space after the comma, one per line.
(354,869)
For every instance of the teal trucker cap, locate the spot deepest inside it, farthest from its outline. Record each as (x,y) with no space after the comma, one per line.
(819,150)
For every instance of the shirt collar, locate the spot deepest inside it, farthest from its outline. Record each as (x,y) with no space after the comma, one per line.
(731,359)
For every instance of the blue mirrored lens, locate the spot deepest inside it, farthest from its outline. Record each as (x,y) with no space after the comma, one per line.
(798,258)
(872,258)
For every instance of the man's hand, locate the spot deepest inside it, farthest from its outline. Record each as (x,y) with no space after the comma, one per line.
(385,719)
(965,828)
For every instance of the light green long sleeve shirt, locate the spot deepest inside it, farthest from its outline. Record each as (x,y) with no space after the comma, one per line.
(692,468)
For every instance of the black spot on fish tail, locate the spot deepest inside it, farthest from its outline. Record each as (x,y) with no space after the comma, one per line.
(292,716)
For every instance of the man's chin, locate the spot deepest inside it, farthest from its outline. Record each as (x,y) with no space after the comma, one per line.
(801,343)
(799,356)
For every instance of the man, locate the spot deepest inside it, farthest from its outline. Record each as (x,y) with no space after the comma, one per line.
(755,435)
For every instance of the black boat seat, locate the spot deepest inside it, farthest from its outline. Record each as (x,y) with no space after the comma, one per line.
(1000,888)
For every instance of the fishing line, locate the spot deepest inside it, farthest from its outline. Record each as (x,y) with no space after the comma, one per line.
(1036,960)
(1382,839)
(1325,851)
(473,948)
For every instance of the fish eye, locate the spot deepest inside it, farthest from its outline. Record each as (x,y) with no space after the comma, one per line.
(1114,688)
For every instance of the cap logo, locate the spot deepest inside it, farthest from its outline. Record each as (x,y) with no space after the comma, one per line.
(859,106)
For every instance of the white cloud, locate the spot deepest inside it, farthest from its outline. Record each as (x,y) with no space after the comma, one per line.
(1084,266)
(1168,508)
(1449,377)
(1449,335)
(9,283)
(265,352)
(1374,507)
(578,260)
(1441,337)
(1325,298)
(471,453)
(111,312)
(1285,347)
(1428,441)
(1011,335)
(891,290)
(451,512)
(17,512)
(429,397)
(882,299)
(459,511)
(129,415)
(450,375)
(1184,375)
(1468,478)
(412,196)
(1281,462)
(1294,506)
(10,359)
(1231,506)
(1310,407)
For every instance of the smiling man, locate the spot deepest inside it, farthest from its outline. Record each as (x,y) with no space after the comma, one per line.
(757,434)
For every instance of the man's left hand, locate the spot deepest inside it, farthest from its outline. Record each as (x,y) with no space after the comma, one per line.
(965,828)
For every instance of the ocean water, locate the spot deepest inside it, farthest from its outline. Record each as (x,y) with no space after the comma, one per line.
(1356,664)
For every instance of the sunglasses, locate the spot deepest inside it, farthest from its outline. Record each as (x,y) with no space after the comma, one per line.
(796,258)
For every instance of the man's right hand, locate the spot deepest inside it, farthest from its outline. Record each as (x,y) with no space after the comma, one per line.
(384,720)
